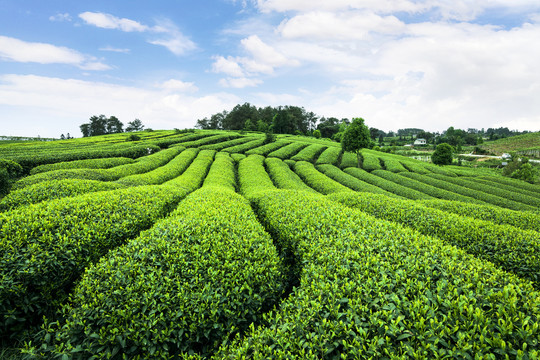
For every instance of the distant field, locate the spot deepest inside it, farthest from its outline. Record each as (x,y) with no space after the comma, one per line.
(528,144)
(216,245)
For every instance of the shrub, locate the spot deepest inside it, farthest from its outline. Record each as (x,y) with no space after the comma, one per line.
(442,154)
(317,180)
(283,177)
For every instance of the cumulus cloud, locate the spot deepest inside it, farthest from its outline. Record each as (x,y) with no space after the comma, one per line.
(260,58)
(60,17)
(16,50)
(67,103)
(164,33)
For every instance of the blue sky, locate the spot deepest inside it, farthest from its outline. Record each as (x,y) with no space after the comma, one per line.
(429,64)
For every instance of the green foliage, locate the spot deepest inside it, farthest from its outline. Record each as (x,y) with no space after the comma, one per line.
(135,125)
(222,173)
(370,161)
(282,175)
(317,180)
(45,247)
(521,219)
(9,171)
(195,279)
(349,159)
(331,155)
(372,289)
(101,125)
(500,197)
(105,163)
(193,177)
(288,151)
(520,168)
(229,144)
(133,137)
(405,179)
(268,148)
(309,153)
(442,154)
(317,134)
(253,177)
(387,185)
(245,146)
(53,189)
(356,136)
(512,249)
(350,181)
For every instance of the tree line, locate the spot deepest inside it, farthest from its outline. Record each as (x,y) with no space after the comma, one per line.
(102,125)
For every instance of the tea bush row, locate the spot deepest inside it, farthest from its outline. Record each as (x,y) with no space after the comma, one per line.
(185,286)
(309,153)
(170,170)
(387,185)
(288,151)
(244,147)
(332,155)
(317,180)
(104,163)
(403,178)
(512,249)
(511,199)
(350,181)
(268,148)
(45,247)
(252,176)
(374,289)
(283,177)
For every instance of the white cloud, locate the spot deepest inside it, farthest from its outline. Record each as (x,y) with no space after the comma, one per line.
(169,35)
(60,17)
(12,49)
(61,105)
(108,21)
(239,82)
(113,49)
(178,85)
(228,66)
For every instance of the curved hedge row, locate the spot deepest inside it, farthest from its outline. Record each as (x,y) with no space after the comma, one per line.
(226,144)
(143,164)
(479,195)
(514,183)
(222,172)
(105,163)
(440,170)
(391,164)
(370,162)
(350,181)
(208,140)
(244,147)
(283,177)
(55,189)
(169,171)
(415,167)
(288,151)
(201,275)
(31,160)
(332,155)
(507,187)
(268,148)
(409,181)
(309,153)
(317,180)
(374,289)
(252,176)
(193,177)
(348,159)
(45,247)
(512,200)
(512,249)
(387,185)
(521,219)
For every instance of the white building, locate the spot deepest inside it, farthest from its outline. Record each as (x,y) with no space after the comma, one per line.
(420,142)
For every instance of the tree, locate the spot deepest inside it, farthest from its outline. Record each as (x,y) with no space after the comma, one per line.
(135,125)
(113,125)
(443,154)
(356,137)
(316,134)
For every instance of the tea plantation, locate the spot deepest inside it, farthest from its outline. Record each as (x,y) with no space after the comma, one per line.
(219,245)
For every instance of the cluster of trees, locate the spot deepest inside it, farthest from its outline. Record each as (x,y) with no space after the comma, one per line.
(101,125)
(278,120)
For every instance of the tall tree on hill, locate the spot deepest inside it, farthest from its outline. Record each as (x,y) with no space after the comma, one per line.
(356,137)
(236,119)
(101,125)
(135,125)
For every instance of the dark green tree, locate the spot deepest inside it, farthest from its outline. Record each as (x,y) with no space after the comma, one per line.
(443,154)
(316,134)
(356,137)
(135,125)
(113,125)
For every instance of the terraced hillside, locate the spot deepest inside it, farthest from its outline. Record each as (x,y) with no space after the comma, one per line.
(217,245)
